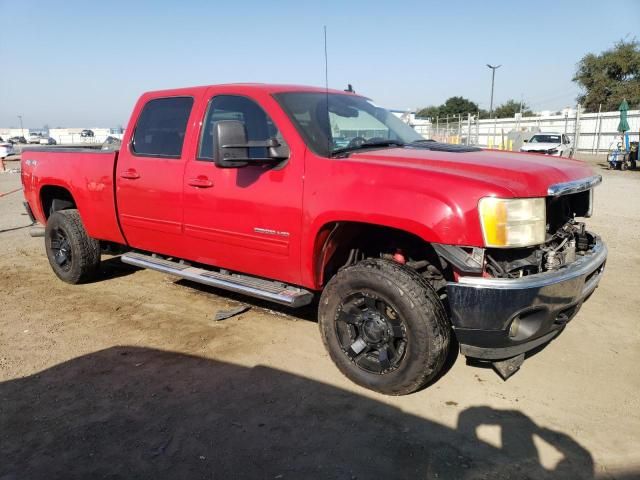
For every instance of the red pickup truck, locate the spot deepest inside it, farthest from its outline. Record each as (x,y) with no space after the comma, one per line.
(291,193)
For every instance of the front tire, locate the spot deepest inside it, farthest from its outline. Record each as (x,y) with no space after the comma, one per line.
(384,327)
(73,255)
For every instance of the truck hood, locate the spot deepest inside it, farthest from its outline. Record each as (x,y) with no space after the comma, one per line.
(507,173)
(540,146)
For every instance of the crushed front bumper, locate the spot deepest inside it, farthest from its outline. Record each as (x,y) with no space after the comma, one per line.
(499,318)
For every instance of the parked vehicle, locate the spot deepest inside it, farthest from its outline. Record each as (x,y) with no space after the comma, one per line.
(35,138)
(408,243)
(15,140)
(111,143)
(47,141)
(555,144)
(6,149)
(86,133)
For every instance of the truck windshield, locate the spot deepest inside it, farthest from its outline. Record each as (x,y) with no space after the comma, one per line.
(338,123)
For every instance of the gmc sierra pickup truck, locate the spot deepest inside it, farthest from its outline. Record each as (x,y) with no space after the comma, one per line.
(291,193)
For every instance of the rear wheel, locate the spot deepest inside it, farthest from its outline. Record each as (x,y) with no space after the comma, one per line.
(72,254)
(384,327)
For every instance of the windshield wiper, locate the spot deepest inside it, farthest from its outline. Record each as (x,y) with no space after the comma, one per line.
(377,143)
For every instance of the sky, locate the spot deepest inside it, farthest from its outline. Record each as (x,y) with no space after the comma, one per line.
(83,63)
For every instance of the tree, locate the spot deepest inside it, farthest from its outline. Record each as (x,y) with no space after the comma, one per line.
(428,112)
(610,77)
(510,108)
(453,107)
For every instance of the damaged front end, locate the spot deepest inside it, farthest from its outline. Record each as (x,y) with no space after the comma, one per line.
(566,239)
(517,299)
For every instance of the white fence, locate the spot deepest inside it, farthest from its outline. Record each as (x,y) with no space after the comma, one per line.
(77,139)
(590,132)
(72,136)
(65,136)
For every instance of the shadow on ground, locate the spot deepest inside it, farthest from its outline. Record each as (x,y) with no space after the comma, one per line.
(606,166)
(112,268)
(130,412)
(308,312)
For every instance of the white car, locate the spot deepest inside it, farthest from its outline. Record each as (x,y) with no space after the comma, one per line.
(47,141)
(6,149)
(34,138)
(556,144)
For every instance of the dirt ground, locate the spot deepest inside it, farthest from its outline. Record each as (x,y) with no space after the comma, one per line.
(130,377)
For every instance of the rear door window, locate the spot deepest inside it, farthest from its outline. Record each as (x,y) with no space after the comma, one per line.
(161,127)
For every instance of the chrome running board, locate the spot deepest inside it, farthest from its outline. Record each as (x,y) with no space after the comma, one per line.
(256,287)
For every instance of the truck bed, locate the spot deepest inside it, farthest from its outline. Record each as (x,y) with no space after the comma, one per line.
(86,173)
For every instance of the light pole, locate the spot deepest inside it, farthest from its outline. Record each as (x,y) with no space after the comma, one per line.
(493,78)
(21,129)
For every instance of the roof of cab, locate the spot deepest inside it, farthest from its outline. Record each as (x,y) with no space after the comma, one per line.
(247,87)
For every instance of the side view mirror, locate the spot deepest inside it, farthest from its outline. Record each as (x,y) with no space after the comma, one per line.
(231,147)
(526,141)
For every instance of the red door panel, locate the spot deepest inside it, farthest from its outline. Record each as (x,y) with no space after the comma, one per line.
(150,172)
(245,219)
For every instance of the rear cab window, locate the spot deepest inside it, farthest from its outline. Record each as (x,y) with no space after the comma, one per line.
(161,127)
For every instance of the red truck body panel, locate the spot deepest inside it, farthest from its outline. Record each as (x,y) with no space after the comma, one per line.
(87,175)
(266,222)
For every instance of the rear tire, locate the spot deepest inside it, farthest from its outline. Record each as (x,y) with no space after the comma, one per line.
(73,255)
(384,327)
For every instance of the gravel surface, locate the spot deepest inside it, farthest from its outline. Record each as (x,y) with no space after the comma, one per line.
(132,377)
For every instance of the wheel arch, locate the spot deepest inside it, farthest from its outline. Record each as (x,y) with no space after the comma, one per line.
(54,198)
(334,241)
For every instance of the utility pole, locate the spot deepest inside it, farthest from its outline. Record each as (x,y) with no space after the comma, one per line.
(21,128)
(521,102)
(493,79)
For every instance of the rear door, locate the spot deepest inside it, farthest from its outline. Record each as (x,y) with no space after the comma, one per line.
(245,219)
(149,175)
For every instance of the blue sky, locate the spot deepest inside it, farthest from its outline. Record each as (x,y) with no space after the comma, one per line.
(83,63)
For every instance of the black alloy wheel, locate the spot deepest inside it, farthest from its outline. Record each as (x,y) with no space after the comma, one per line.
(371,333)
(61,249)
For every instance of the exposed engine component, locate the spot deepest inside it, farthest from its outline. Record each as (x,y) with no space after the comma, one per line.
(561,248)
(551,261)
(570,252)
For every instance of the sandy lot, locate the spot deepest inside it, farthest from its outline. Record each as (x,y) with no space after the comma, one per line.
(130,377)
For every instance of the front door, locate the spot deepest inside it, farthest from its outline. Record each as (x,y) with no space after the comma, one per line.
(149,176)
(244,219)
